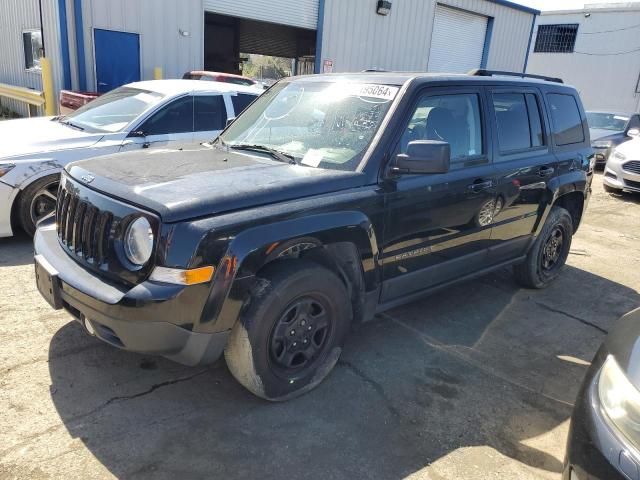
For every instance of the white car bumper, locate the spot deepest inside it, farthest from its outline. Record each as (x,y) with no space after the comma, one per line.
(622,174)
(7,196)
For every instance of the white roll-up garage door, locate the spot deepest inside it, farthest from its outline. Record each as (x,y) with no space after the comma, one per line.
(297,13)
(457,40)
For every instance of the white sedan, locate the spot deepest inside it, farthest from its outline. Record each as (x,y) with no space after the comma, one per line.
(151,114)
(622,171)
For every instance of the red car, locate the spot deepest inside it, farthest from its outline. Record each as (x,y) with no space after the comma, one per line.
(222,77)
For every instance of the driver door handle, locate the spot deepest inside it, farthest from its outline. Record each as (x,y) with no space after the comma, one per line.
(545,171)
(480,185)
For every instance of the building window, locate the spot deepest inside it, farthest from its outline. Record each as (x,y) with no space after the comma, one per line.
(32,41)
(556,38)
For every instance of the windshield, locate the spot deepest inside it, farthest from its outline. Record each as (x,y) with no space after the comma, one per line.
(113,111)
(607,121)
(319,124)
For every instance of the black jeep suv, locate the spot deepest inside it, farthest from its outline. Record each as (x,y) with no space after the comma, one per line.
(331,198)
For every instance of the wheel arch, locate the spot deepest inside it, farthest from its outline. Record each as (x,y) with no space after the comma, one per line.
(567,191)
(24,184)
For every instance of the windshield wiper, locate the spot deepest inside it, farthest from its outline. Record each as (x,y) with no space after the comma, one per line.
(72,125)
(277,154)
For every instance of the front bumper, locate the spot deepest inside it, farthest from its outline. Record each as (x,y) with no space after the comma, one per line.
(7,196)
(615,176)
(142,319)
(595,449)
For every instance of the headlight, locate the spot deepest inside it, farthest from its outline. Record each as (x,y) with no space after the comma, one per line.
(601,144)
(620,400)
(6,168)
(618,155)
(138,241)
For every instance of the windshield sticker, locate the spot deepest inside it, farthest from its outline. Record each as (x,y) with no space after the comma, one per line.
(312,158)
(382,92)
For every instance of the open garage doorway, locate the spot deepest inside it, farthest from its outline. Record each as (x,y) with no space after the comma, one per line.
(229,42)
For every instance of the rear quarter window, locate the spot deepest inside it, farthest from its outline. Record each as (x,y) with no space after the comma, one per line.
(565,115)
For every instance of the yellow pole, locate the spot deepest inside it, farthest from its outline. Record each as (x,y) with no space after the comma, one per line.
(157,73)
(47,87)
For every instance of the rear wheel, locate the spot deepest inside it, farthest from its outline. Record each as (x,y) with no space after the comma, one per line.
(37,202)
(291,331)
(549,252)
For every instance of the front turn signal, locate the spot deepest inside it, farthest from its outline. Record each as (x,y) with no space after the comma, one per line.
(179,276)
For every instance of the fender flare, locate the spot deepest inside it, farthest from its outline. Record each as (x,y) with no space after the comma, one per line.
(247,253)
(574,181)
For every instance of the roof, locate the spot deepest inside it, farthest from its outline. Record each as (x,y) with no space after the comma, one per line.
(597,8)
(208,73)
(175,87)
(516,6)
(400,78)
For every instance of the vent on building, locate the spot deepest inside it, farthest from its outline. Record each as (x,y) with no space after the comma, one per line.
(556,38)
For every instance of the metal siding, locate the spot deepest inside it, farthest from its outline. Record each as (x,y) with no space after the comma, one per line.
(17,16)
(457,40)
(158,23)
(605,82)
(356,38)
(297,13)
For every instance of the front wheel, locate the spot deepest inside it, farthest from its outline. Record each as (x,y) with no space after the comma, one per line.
(549,252)
(37,202)
(291,331)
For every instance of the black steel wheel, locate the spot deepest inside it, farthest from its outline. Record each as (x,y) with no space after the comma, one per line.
(291,331)
(548,253)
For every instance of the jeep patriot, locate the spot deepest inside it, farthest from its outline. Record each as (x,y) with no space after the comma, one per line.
(329,199)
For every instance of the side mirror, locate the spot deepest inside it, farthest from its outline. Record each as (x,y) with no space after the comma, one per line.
(634,132)
(230,121)
(137,134)
(424,156)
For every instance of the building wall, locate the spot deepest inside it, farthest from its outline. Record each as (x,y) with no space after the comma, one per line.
(355,37)
(17,16)
(157,22)
(605,81)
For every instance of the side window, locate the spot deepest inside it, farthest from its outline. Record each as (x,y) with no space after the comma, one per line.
(209,113)
(177,117)
(451,118)
(241,101)
(567,124)
(518,121)
(634,122)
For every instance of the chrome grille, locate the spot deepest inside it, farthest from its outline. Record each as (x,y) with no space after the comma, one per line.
(82,228)
(632,166)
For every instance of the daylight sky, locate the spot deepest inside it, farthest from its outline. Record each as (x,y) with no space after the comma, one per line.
(565,4)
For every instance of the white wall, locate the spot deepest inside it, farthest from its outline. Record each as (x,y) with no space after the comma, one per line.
(605,82)
(355,37)
(157,22)
(15,17)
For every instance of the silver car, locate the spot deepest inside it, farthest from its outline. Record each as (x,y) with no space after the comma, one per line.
(622,171)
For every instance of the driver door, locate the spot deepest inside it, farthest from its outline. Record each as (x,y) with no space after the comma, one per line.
(170,127)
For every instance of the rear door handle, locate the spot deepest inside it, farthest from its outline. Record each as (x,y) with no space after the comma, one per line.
(545,171)
(480,185)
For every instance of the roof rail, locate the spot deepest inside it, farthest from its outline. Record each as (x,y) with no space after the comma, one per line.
(480,72)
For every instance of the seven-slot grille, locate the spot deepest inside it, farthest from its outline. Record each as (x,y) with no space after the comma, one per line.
(632,166)
(82,228)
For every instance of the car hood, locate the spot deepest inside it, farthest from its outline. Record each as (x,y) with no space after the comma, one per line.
(29,136)
(189,183)
(630,148)
(602,134)
(623,342)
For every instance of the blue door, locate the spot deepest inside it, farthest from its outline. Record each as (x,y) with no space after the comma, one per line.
(117,58)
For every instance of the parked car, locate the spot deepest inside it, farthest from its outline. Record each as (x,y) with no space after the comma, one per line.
(622,171)
(608,130)
(223,77)
(331,198)
(604,437)
(153,114)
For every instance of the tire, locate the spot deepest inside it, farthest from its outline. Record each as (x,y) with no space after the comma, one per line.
(291,296)
(37,201)
(541,266)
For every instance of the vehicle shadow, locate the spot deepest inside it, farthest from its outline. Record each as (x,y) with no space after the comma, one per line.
(16,250)
(482,364)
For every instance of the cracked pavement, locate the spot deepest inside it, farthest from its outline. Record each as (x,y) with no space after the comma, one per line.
(437,389)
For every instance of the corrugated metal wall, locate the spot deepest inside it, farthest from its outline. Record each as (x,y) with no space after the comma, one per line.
(297,13)
(605,76)
(17,16)
(356,38)
(158,22)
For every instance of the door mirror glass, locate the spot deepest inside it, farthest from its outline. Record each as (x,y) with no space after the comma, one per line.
(137,134)
(424,156)
(634,132)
